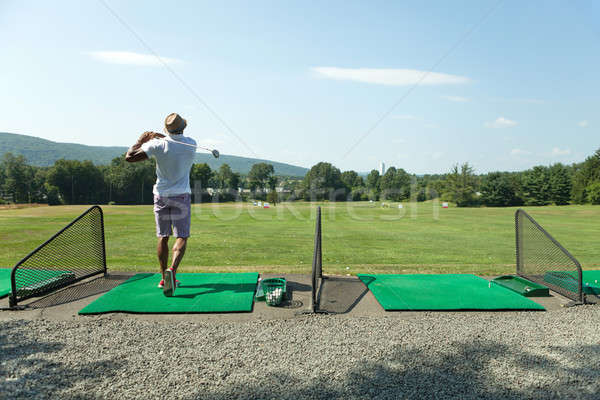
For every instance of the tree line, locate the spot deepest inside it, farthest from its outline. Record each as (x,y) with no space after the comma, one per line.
(120,182)
(541,185)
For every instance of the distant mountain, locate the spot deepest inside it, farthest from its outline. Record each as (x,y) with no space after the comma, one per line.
(42,152)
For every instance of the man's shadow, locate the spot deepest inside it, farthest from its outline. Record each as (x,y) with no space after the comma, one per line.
(212,288)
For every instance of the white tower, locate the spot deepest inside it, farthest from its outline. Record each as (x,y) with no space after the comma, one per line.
(381,168)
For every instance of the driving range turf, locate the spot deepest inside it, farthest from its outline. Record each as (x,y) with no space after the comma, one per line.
(197,293)
(4,282)
(358,237)
(422,292)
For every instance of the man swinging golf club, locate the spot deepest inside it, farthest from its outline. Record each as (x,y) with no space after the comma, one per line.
(174,154)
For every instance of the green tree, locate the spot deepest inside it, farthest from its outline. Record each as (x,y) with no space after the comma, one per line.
(593,192)
(433,185)
(2,175)
(354,184)
(560,184)
(130,183)
(201,174)
(78,182)
(225,178)
(39,192)
(460,186)
(258,177)
(578,185)
(227,182)
(395,184)
(351,179)
(273,197)
(324,181)
(372,184)
(17,177)
(585,174)
(536,186)
(499,190)
(52,195)
(272,183)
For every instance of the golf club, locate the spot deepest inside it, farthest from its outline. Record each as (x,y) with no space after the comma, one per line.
(215,153)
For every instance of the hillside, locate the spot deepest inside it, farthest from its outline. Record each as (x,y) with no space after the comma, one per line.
(42,152)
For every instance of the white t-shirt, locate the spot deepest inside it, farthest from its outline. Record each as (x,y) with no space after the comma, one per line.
(173,163)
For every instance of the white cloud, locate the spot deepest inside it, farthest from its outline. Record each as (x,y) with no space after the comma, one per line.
(519,152)
(500,122)
(583,124)
(560,152)
(395,77)
(456,99)
(130,58)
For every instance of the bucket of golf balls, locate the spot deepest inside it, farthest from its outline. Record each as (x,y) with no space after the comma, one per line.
(273,289)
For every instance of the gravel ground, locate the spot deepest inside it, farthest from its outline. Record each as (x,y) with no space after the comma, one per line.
(421,355)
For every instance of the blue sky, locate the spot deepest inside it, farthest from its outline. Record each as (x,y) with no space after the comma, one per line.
(514,84)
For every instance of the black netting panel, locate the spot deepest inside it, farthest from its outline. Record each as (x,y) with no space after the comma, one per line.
(74,253)
(80,290)
(317,265)
(540,258)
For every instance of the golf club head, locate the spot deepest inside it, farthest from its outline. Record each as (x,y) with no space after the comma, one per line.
(215,153)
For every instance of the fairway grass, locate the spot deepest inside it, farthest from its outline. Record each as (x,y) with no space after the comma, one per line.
(357,237)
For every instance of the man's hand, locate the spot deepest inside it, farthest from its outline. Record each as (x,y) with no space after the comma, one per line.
(135,153)
(149,135)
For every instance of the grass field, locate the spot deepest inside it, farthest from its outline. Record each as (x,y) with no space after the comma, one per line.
(357,237)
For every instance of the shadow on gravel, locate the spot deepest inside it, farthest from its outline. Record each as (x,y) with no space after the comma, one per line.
(297,286)
(26,372)
(339,295)
(480,370)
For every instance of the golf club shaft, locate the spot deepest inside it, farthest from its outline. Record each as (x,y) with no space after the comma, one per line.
(187,144)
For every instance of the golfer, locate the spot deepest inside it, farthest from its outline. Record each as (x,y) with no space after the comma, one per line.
(172,193)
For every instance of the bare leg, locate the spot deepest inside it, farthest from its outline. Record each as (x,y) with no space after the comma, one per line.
(162,249)
(178,252)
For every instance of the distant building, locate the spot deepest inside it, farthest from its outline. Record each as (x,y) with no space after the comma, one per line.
(381,168)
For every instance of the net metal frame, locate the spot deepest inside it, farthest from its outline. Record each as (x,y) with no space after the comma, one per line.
(75,253)
(542,259)
(317,266)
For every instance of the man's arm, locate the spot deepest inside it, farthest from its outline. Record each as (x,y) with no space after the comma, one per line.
(135,152)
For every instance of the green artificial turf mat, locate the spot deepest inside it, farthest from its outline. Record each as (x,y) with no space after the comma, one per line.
(591,280)
(443,292)
(4,282)
(36,279)
(198,293)
(522,286)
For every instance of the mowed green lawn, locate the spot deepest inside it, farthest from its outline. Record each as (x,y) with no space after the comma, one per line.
(357,237)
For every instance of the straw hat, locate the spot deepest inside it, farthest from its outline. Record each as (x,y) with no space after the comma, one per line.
(174,124)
